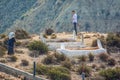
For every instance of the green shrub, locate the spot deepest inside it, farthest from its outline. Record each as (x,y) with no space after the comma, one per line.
(2,51)
(111,62)
(111,74)
(103,66)
(94,65)
(49,31)
(21,34)
(49,59)
(54,73)
(54,59)
(45,36)
(85,69)
(91,57)
(25,62)
(113,40)
(60,57)
(103,57)
(13,58)
(82,58)
(18,43)
(5,43)
(42,69)
(59,73)
(67,64)
(87,36)
(2,36)
(1,43)
(38,46)
(3,61)
(53,36)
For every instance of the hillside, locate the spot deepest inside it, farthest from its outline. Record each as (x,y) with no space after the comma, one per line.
(36,15)
(23,60)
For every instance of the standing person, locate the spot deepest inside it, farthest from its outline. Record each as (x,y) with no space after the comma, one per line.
(74,21)
(11,42)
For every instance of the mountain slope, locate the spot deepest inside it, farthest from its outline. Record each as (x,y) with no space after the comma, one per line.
(36,15)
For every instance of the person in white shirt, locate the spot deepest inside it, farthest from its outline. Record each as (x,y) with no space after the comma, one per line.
(74,21)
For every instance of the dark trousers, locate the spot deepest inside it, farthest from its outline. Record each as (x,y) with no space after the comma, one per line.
(75,28)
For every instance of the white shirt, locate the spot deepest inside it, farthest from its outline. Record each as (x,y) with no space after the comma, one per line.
(74,18)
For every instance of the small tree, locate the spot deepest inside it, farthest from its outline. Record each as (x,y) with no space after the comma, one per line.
(2,51)
(111,74)
(49,31)
(82,58)
(38,46)
(91,57)
(84,68)
(21,34)
(103,56)
(67,64)
(111,62)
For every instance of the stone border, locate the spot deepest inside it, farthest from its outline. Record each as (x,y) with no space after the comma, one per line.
(15,72)
(73,53)
(55,45)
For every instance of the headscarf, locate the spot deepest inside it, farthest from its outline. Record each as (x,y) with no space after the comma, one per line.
(11,35)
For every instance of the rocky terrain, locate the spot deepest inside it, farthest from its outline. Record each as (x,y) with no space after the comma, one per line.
(36,15)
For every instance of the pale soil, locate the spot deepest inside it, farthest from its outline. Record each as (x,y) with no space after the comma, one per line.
(26,52)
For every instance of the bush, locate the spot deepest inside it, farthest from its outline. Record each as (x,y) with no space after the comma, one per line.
(49,59)
(103,56)
(18,43)
(2,51)
(53,36)
(67,64)
(54,73)
(13,58)
(21,34)
(42,69)
(103,66)
(45,36)
(87,36)
(1,43)
(38,46)
(82,58)
(85,69)
(111,62)
(5,43)
(49,31)
(2,36)
(3,61)
(25,62)
(111,74)
(54,59)
(60,57)
(94,66)
(91,57)
(103,42)
(59,73)
(113,40)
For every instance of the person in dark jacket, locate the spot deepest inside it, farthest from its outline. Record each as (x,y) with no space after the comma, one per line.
(11,42)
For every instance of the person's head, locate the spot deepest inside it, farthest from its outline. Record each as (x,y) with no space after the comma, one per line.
(11,35)
(73,11)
